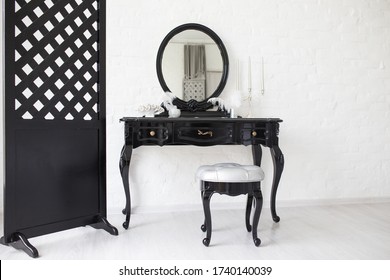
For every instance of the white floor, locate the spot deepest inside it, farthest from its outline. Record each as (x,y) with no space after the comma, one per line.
(353,231)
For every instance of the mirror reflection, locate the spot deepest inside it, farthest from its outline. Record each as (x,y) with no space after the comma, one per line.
(192,65)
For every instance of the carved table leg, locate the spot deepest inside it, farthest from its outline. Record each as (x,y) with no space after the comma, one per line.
(257,154)
(259,204)
(278,160)
(206,196)
(20,242)
(248,212)
(102,223)
(124,165)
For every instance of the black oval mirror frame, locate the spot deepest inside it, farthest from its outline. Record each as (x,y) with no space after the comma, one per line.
(193,105)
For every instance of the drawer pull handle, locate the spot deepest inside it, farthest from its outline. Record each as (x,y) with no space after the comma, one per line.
(205,133)
(254,133)
(152,133)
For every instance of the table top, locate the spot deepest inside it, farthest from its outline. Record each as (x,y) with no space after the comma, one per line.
(198,119)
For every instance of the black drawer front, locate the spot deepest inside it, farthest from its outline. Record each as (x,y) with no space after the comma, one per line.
(251,134)
(152,134)
(204,135)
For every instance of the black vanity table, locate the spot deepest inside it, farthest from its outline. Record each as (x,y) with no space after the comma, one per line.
(197,125)
(163,131)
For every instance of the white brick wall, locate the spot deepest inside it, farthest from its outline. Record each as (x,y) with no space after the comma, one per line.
(327,75)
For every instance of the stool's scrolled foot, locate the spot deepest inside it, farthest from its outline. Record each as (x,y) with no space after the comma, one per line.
(203,228)
(276,218)
(257,242)
(248,228)
(206,242)
(125,225)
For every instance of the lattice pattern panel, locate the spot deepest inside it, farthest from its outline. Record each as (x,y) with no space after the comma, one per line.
(56,59)
(194,89)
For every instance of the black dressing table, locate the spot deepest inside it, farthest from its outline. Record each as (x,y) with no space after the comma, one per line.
(197,126)
(202,132)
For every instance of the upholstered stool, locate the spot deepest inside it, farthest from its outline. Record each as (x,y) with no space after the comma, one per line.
(231,179)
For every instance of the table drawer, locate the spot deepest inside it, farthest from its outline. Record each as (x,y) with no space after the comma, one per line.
(253,135)
(198,134)
(152,134)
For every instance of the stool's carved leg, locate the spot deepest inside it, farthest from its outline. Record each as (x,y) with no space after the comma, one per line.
(259,204)
(206,196)
(203,226)
(248,212)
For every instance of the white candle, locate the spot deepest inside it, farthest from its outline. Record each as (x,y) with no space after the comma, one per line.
(262,75)
(249,75)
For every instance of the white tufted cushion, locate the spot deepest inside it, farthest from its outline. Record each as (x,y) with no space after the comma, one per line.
(230,172)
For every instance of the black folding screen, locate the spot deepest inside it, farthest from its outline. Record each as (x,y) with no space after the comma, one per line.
(54,89)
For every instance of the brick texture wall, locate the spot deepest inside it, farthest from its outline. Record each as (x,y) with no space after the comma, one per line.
(327,75)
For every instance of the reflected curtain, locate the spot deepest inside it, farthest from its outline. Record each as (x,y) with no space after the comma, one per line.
(194,61)
(213,79)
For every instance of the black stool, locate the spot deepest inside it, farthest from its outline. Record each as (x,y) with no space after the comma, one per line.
(232,179)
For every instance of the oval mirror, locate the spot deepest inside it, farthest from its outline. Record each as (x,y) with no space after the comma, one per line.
(192,63)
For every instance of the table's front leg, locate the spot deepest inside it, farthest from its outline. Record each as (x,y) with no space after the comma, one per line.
(257,154)
(278,160)
(124,164)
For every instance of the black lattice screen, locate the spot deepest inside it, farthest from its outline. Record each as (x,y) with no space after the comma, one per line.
(55,136)
(56,57)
